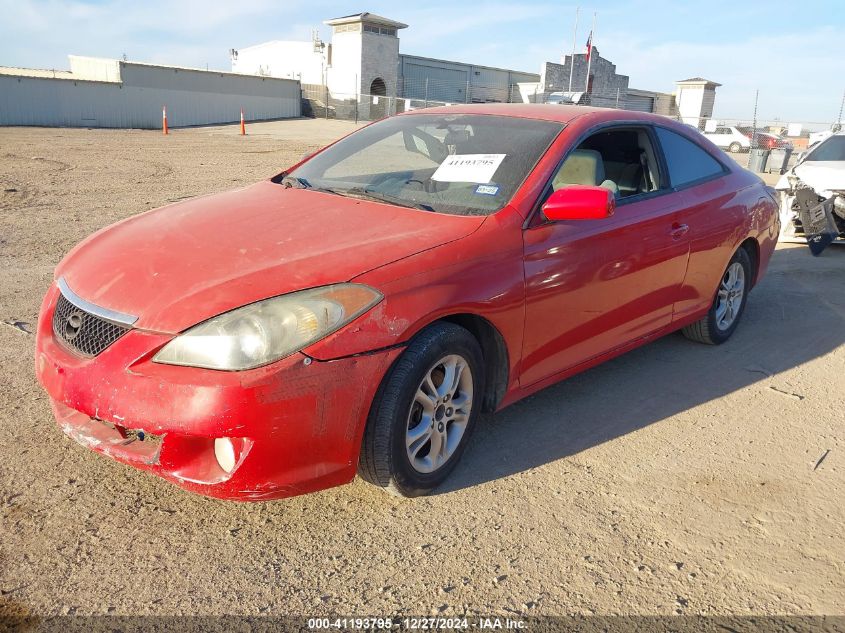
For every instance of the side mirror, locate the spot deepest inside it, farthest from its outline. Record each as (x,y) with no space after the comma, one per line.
(580,202)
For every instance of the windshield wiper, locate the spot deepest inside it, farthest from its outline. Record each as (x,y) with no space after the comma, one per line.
(295,182)
(360,192)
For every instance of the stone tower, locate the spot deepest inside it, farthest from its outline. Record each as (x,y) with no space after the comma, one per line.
(364,46)
(695,98)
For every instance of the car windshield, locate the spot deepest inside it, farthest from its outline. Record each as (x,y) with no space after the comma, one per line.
(833,149)
(458,164)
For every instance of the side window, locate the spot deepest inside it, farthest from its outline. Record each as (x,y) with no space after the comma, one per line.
(687,162)
(622,160)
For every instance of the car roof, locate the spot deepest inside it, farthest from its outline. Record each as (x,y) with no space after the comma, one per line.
(541,111)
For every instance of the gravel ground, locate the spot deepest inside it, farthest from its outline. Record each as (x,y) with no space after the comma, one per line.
(679,478)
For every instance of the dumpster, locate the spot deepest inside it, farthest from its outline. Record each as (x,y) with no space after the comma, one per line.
(757,160)
(778,158)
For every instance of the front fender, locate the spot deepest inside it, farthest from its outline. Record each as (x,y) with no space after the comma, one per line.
(481,274)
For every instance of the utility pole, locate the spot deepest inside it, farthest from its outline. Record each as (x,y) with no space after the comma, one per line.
(574,44)
(753,129)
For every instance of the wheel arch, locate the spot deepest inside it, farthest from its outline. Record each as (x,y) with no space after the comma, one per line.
(494,351)
(752,247)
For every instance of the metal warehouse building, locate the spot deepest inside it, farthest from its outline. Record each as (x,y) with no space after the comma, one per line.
(362,63)
(363,58)
(122,94)
(456,82)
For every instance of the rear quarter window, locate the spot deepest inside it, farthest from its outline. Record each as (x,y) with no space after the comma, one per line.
(687,162)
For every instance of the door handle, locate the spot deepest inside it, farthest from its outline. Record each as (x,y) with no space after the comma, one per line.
(678,231)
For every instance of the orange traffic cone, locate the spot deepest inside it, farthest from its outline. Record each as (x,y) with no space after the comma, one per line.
(164,119)
(243,128)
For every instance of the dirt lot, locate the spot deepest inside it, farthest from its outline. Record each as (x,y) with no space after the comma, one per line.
(679,478)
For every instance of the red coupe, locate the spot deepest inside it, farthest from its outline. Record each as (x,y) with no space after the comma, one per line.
(359,312)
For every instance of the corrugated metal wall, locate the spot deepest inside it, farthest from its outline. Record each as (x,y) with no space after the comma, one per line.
(640,103)
(435,82)
(489,84)
(192,98)
(449,81)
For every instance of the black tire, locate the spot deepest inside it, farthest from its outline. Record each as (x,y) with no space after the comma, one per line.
(707,329)
(735,148)
(384,459)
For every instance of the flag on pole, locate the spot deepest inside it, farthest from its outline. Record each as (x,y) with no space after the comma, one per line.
(588,83)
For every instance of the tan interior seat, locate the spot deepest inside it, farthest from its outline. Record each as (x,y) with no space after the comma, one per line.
(583,167)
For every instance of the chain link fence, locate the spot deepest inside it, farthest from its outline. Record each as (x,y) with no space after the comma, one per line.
(319,102)
(413,94)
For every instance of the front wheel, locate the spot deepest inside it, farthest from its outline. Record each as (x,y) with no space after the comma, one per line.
(424,412)
(728,305)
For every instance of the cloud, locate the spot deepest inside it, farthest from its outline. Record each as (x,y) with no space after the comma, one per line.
(429,25)
(42,33)
(796,83)
(489,34)
(784,53)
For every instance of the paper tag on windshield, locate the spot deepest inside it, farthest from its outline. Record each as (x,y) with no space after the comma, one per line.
(478,168)
(487,190)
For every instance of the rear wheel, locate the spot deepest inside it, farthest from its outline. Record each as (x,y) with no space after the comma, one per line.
(424,412)
(728,305)
(735,148)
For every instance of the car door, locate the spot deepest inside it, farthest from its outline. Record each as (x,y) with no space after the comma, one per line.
(721,137)
(595,285)
(739,137)
(712,209)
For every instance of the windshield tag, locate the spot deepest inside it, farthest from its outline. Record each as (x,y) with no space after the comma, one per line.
(487,190)
(478,168)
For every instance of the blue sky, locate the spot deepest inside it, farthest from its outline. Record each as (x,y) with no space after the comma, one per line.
(791,51)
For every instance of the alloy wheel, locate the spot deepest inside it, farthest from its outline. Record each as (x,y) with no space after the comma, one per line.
(439,413)
(730,296)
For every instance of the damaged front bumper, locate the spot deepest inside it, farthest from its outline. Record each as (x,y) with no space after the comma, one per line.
(809,216)
(292,427)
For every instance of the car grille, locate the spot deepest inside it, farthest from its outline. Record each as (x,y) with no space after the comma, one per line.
(83,332)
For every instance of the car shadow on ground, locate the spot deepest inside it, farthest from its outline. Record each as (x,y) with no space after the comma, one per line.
(796,314)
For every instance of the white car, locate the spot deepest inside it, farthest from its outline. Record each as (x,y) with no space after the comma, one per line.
(729,138)
(818,137)
(738,139)
(812,196)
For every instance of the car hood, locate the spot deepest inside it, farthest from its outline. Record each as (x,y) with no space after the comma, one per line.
(181,264)
(824,177)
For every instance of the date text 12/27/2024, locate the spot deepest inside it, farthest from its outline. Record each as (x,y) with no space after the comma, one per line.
(416,623)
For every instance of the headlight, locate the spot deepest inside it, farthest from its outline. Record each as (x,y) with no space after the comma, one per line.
(268,330)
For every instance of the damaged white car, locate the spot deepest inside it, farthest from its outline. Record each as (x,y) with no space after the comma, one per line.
(812,196)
